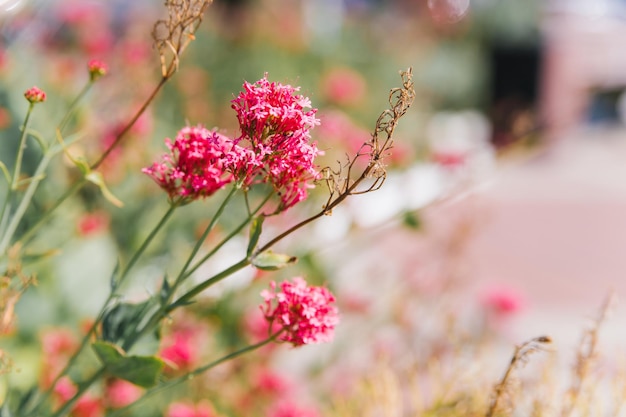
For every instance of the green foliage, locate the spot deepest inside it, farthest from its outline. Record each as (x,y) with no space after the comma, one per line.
(139,370)
(270,261)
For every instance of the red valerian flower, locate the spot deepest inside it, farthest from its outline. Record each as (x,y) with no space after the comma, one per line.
(197,165)
(276,124)
(306,314)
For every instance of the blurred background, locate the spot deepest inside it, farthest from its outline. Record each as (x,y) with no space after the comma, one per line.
(503,210)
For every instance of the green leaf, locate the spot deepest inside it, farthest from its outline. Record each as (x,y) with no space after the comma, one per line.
(270,261)
(412,220)
(98,179)
(165,291)
(139,370)
(121,320)
(5,171)
(255,233)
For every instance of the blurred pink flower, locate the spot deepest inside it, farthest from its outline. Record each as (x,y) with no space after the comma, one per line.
(202,409)
(450,159)
(344,86)
(97,69)
(197,166)
(502,301)
(64,389)
(92,223)
(179,350)
(288,409)
(276,124)
(269,382)
(76,12)
(120,393)
(305,313)
(88,406)
(35,95)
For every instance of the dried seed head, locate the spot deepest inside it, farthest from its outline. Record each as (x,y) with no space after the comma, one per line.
(172,35)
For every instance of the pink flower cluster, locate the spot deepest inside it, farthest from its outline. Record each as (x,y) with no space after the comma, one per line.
(197,166)
(306,314)
(274,148)
(276,124)
(35,95)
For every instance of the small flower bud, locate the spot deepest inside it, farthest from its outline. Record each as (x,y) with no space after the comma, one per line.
(97,69)
(35,95)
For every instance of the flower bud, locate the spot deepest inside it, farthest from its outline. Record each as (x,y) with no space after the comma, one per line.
(35,95)
(97,69)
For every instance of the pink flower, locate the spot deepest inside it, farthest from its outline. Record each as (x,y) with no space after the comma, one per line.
(276,124)
(271,383)
(288,409)
(305,313)
(35,95)
(64,389)
(502,301)
(120,393)
(92,223)
(197,166)
(450,159)
(202,409)
(88,406)
(97,69)
(344,86)
(179,350)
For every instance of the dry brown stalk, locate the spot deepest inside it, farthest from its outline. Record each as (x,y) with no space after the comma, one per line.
(520,358)
(172,35)
(585,356)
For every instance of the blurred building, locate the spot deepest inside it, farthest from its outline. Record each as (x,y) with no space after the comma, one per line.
(584,73)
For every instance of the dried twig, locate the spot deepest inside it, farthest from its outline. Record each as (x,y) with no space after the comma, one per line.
(520,358)
(585,356)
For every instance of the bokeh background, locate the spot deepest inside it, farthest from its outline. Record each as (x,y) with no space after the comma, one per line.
(503,212)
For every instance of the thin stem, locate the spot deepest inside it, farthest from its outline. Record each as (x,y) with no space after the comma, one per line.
(21,209)
(74,104)
(189,295)
(130,124)
(146,242)
(18,161)
(228,237)
(194,373)
(30,233)
(327,209)
(182,275)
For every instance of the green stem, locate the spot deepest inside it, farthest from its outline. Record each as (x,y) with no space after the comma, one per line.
(194,373)
(227,238)
(18,161)
(130,124)
(146,242)
(182,275)
(189,295)
(30,233)
(21,208)
(74,104)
